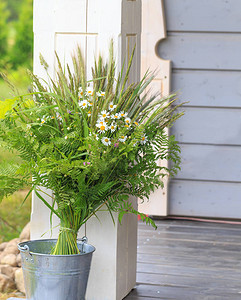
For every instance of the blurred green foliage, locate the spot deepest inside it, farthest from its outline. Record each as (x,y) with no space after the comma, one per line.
(16,34)
(13,7)
(21,52)
(4,13)
(16,47)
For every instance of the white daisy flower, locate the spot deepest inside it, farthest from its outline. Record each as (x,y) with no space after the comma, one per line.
(90,91)
(43,120)
(127,121)
(112,106)
(104,114)
(123,114)
(102,126)
(115,116)
(106,141)
(143,139)
(100,94)
(83,103)
(66,137)
(89,113)
(122,138)
(112,127)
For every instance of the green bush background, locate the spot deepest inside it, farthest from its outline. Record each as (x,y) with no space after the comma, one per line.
(16,49)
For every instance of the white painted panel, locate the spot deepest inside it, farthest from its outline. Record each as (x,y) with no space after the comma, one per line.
(43,15)
(205,199)
(70,16)
(204,15)
(202,50)
(210,162)
(113,267)
(65,43)
(209,125)
(207,88)
(44,44)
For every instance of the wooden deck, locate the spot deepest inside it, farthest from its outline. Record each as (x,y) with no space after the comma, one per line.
(188,260)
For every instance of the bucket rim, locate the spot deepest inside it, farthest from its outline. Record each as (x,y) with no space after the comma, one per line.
(22,244)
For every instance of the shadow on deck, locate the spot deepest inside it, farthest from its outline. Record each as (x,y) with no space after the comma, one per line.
(188,260)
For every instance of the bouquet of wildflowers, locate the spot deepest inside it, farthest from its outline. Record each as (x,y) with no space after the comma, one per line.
(93,143)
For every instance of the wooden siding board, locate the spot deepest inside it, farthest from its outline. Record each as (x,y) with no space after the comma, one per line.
(210,162)
(202,50)
(209,125)
(205,15)
(209,199)
(207,88)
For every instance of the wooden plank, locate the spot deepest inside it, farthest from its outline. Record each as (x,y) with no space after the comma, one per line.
(202,51)
(180,293)
(188,261)
(217,224)
(191,198)
(203,237)
(205,15)
(190,231)
(188,281)
(204,271)
(153,29)
(221,126)
(210,162)
(207,88)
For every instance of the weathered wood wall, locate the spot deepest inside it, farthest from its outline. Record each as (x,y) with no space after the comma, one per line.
(204,44)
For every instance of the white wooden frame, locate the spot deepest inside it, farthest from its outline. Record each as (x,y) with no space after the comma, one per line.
(153,31)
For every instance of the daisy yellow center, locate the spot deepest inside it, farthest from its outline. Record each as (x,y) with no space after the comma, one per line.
(115,116)
(122,137)
(104,115)
(111,106)
(126,125)
(127,121)
(84,104)
(136,123)
(112,127)
(102,127)
(143,138)
(106,140)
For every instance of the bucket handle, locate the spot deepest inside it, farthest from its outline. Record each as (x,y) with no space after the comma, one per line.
(25,248)
(84,241)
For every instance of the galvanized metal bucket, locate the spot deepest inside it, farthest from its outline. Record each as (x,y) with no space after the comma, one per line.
(54,277)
